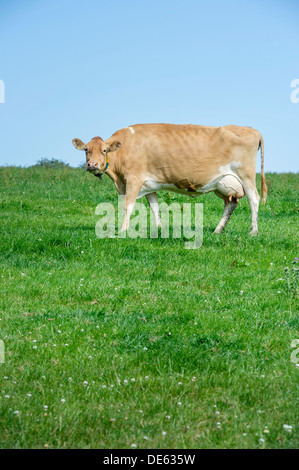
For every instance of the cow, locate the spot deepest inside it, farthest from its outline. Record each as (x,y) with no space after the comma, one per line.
(188,159)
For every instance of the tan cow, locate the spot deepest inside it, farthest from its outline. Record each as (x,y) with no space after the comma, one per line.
(187,159)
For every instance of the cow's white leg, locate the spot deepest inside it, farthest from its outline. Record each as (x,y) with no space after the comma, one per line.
(132,191)
(254,199)
(229,208)
(154,205)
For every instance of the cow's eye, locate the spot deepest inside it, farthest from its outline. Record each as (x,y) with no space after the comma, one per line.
(104,151)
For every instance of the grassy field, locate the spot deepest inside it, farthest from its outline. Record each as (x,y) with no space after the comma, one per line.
(141,343)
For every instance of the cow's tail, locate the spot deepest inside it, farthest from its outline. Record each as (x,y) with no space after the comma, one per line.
(263,179)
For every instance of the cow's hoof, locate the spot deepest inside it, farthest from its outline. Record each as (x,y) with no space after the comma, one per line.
(218,230)
(254,232)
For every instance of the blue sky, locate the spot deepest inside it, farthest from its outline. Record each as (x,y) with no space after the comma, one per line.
(81,69)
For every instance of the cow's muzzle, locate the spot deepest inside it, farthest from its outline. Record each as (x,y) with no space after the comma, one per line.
(92,166)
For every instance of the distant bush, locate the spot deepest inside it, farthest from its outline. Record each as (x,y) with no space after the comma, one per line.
(51,163)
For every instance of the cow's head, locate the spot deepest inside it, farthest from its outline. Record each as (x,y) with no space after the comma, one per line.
(96,153)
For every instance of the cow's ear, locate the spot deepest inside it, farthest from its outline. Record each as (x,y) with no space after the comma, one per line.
(79,144)
(114,146)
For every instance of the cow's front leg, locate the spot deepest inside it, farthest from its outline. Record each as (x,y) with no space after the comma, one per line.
(132,191)
(152,199)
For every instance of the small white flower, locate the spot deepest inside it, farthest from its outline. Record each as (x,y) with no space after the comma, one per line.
(163,433)
(217,412)
(167,417)
(16,412)
(29,395)
(193,379)
(180,383)
(58,331)
(133,445)
(145,348)
(6,396)
(125,381)
(133,380)
(287,427)
(89,357)
(146,377)
(146,438)
(261,440)
(179,403)
(85,383)
(70,379)
(34,347)
(62,400)
(45,407)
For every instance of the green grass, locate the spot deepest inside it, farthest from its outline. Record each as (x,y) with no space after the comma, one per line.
(77,313)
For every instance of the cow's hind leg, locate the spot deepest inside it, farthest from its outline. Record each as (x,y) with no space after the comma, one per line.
(152,199)
(254,199)
(231,190)
(229,207)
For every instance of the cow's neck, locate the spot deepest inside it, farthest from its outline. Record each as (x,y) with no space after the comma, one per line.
(113,170)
